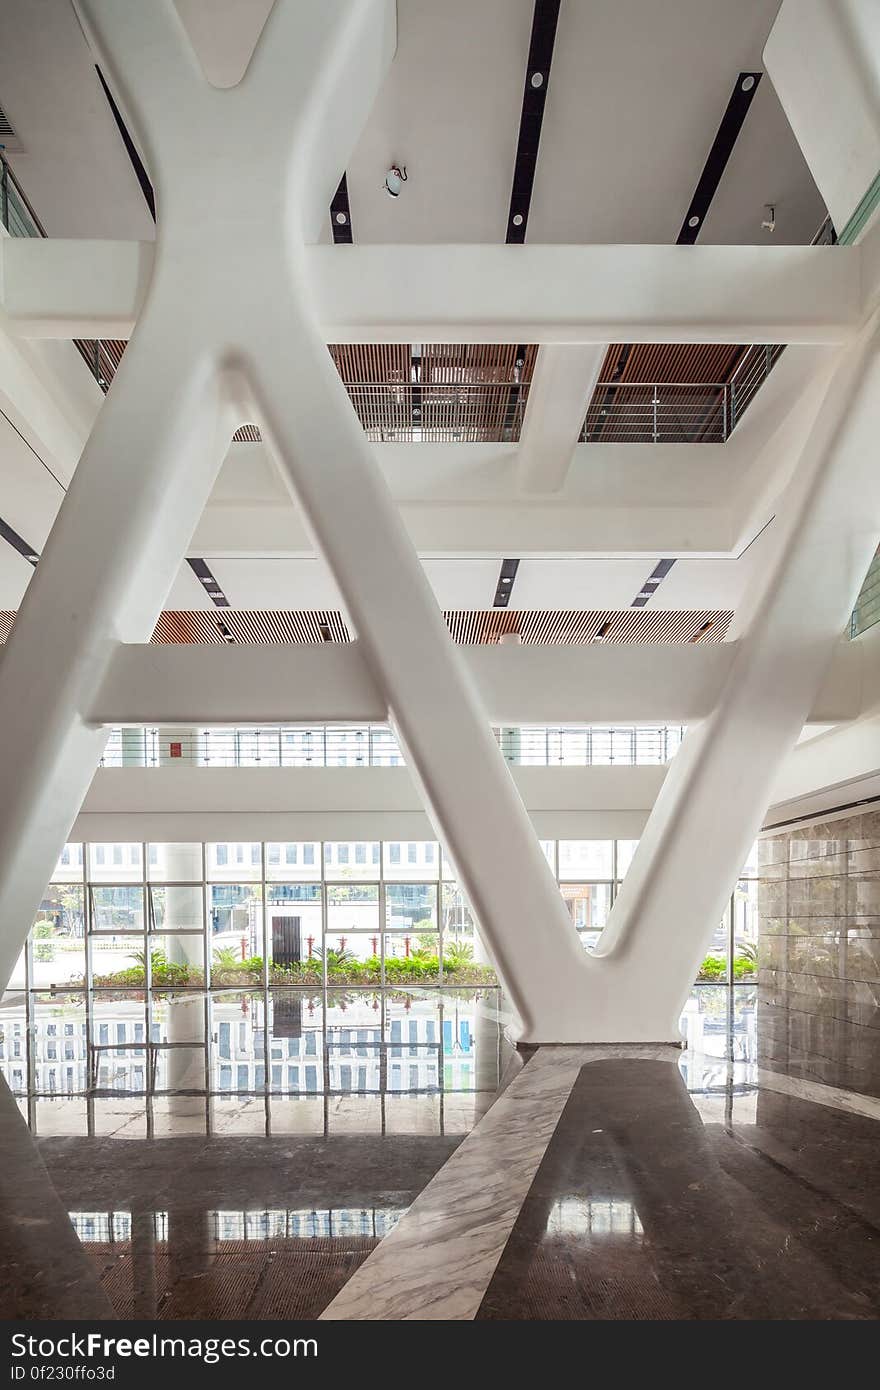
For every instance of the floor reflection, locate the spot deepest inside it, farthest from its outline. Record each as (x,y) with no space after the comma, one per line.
(253,1062)
(240,1153)
(282,1133)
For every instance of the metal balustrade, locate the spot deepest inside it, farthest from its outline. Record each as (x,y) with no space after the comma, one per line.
(374,745)
(16,213)
(439,412)
(677,412)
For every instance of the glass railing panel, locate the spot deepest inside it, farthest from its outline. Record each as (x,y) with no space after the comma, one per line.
(866,611)
(375,745)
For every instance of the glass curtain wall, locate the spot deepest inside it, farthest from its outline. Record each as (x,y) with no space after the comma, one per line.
(287,969)
(238,915)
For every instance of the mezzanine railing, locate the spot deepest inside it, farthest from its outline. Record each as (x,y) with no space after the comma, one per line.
(375,746)
(677,412)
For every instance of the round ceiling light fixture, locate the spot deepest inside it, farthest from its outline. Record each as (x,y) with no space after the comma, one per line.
(537,79)
(395,178)
(517,219)
(341,218)
(694,221)
(747,83)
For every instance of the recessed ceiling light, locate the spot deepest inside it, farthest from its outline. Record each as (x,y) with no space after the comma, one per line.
(33,559)
(341,218)
(693,221)
(505,580)
(517,219)
(537,79)
(747,83)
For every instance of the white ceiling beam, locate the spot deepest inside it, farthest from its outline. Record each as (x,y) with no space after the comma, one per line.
(227,684)
(562,387)
(167,684)
(538,294)
(181,803)
(625,683)
(64,288)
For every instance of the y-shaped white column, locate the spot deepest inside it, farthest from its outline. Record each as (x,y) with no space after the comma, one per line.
(243,179)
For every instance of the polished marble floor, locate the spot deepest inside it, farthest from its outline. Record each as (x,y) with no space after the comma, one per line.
(643,1207)
(367,1155)
(231,1155)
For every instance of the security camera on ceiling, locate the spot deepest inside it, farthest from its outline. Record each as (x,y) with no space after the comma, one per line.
(395,178)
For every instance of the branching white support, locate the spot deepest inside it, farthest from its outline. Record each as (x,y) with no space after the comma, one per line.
(231,329)
(229,317)
(562,388)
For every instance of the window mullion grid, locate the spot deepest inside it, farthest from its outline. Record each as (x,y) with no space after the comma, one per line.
(263,914)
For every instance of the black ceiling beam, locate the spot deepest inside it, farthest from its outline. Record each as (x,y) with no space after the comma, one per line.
(505,583)
(17,543)
(651,584)
(340,215)
(209,583)
(137,163)
(722,147)
(534,96)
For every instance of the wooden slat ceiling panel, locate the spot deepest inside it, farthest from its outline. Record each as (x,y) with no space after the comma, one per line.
(280,627)
(392,403)
(378,379)
(552,627)
(470,627)
(690,362)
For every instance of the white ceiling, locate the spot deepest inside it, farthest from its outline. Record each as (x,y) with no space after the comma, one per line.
(694,584)
(75,170)
(636,92)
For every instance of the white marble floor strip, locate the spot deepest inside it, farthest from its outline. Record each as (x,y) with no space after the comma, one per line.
(439,1259)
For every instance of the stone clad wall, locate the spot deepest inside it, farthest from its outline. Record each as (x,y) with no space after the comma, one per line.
(819,953)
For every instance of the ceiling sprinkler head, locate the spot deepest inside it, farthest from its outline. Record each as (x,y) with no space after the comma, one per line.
(395,178)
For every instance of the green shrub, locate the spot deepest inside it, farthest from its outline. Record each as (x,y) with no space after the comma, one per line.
(713,968)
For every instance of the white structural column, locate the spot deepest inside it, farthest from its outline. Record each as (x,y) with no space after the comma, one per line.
(163,431)
(562,388)
(231,330)
(823,58)
(433,704)
(243,179)
(719,785)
